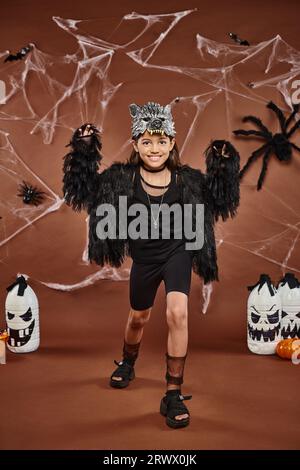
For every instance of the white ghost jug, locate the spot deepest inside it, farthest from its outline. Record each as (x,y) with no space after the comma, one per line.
(22,317)
(289,291)
(264,315)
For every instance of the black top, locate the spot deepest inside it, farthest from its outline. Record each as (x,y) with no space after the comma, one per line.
(156,250)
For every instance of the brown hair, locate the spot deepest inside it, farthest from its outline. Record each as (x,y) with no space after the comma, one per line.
(173,162)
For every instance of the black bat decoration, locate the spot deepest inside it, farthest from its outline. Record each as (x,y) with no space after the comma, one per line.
(277,144)
(19,55)
(30,194)
(241,42)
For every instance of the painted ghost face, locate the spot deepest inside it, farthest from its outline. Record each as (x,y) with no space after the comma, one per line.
(290,323)
(264,325)
(22,320)
(264,316)
(289,290)
(21,326)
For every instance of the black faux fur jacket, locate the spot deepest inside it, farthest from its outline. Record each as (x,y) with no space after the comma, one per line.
(217,189)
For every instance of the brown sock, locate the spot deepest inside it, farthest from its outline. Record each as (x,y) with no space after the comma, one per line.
(130,352)
(175,369)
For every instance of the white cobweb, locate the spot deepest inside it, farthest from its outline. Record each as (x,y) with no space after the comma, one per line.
(227,75)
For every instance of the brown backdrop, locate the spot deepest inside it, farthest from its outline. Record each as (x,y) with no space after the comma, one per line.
(58,397)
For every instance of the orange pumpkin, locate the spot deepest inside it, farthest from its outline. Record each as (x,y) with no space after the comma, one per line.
(3,335)
(286,347)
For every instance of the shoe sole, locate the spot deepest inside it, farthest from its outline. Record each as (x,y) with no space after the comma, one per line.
(122,383)
(172,422)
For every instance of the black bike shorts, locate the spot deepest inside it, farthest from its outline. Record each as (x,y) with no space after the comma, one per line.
(146,278)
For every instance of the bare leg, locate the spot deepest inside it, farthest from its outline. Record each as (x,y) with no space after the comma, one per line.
(135,327)
(177,319)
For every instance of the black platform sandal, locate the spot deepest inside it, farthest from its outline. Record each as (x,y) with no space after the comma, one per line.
(125,371)
(171,406)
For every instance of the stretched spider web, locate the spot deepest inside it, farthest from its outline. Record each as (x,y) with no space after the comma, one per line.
(84,86)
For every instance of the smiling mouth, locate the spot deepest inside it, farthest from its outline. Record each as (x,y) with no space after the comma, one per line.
(20,337)
(289,332)
(263,336)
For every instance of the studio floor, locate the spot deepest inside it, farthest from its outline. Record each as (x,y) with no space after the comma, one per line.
(59,396)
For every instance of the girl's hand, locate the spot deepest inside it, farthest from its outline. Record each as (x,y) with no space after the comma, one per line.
(85,130)
(223,152)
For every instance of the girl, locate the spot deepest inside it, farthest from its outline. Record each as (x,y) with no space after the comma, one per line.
(154,177)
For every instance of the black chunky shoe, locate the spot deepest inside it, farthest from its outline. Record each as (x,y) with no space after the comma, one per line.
(172,405)
(125,371)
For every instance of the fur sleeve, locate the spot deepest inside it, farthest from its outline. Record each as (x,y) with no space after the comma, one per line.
(116,181)
(222,179)
(81,179)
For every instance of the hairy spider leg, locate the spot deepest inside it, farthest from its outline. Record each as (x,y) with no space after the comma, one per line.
(263,172)
(252,158)
(293,114)
(259,123)
(294,128)
(281,118)
(295,146)
(284,123)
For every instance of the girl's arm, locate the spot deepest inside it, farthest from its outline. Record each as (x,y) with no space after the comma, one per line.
(81,179)
(222,179)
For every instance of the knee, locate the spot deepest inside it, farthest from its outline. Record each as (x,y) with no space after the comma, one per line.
(177,316)
(138,318)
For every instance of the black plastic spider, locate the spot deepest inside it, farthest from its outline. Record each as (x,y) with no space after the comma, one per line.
(278,144)
(235,38)
(19,55)
(30,194)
